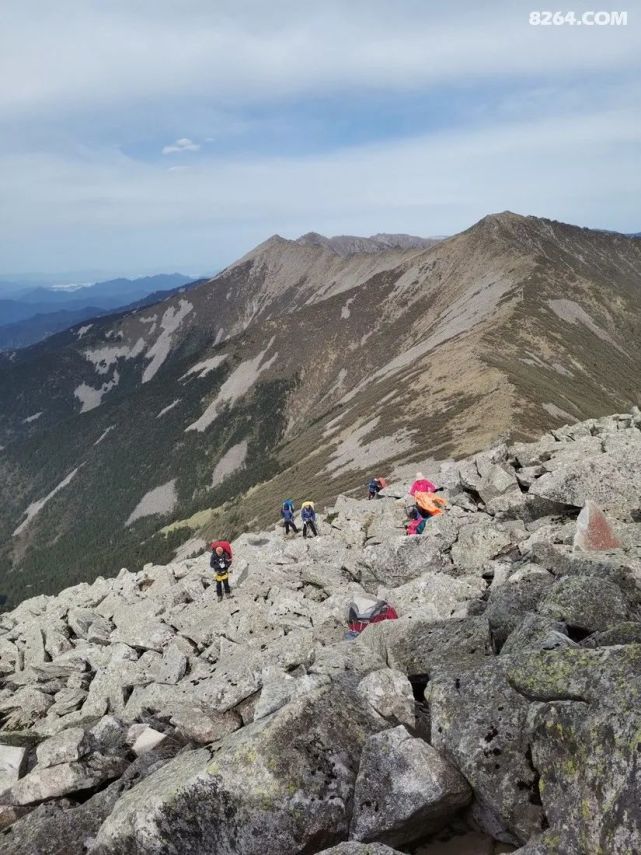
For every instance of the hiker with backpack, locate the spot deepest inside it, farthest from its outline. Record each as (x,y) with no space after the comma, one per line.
(374,488)
(422,485)
(220,563)
(416,524)
(308,516)
(287,513)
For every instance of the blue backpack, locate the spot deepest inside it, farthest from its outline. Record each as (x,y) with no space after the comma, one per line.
(288,505)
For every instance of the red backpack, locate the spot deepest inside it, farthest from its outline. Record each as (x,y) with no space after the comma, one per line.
(226,545)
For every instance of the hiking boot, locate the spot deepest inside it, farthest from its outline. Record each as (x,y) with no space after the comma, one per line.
(220,598)
(230,596)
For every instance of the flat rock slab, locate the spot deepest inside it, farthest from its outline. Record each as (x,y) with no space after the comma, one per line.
(12,760)
(65,747)
(55,781)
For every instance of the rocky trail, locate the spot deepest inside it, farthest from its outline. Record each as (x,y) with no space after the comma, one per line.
(501,712)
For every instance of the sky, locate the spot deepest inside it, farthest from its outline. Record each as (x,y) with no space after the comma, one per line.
(141,136)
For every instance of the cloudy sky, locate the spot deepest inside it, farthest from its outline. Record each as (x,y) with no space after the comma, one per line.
(149,135)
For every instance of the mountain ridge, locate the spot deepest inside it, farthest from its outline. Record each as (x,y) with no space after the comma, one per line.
(306,370)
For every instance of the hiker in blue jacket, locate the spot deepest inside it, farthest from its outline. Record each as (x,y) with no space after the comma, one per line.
(287,513)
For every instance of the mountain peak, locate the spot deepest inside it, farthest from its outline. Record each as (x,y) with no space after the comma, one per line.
(313,239)
(351,244)
(504,218)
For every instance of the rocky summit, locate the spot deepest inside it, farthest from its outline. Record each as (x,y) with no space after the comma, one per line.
(500,712)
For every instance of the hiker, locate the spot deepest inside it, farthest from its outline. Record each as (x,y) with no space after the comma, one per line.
(308,516)
(374,488)
(287,513)
(416,524)
(422,485)
(220,562)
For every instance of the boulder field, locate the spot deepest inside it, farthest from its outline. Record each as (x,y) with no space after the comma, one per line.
(500,713)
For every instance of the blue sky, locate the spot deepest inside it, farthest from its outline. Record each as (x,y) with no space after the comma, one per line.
(149,135)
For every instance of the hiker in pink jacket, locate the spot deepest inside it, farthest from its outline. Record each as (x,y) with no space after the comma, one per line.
(422,485)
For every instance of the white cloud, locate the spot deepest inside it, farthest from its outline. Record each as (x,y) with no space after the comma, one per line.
(579,168)
(549,123)
(183,144)
(231,53)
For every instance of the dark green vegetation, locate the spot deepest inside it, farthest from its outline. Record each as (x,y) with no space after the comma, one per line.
(327,366)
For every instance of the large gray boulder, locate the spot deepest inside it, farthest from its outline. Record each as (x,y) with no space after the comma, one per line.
(282,784)
(433,596)
(608,479)
(401,560)
(536,632)
(497,480)
(405,789)
(389,693)
(420,647)
(585,744)
(479,543)
(589,603)
(627,632)
(480,722)
(508,603)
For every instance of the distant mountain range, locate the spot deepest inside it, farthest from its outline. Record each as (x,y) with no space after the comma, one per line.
(36,313)
(301,370)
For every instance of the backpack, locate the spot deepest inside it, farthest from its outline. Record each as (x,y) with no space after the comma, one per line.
(226,545)
(430,504)
(307,505)
(416,526)
(288,505)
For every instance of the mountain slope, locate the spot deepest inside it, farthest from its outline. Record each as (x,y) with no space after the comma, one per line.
(298,370)
(33,329)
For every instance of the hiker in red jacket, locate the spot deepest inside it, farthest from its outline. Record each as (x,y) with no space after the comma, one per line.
(220,563)
(422,485)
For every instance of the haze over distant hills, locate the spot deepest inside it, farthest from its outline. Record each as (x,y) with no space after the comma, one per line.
(34,313)
(302,369)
